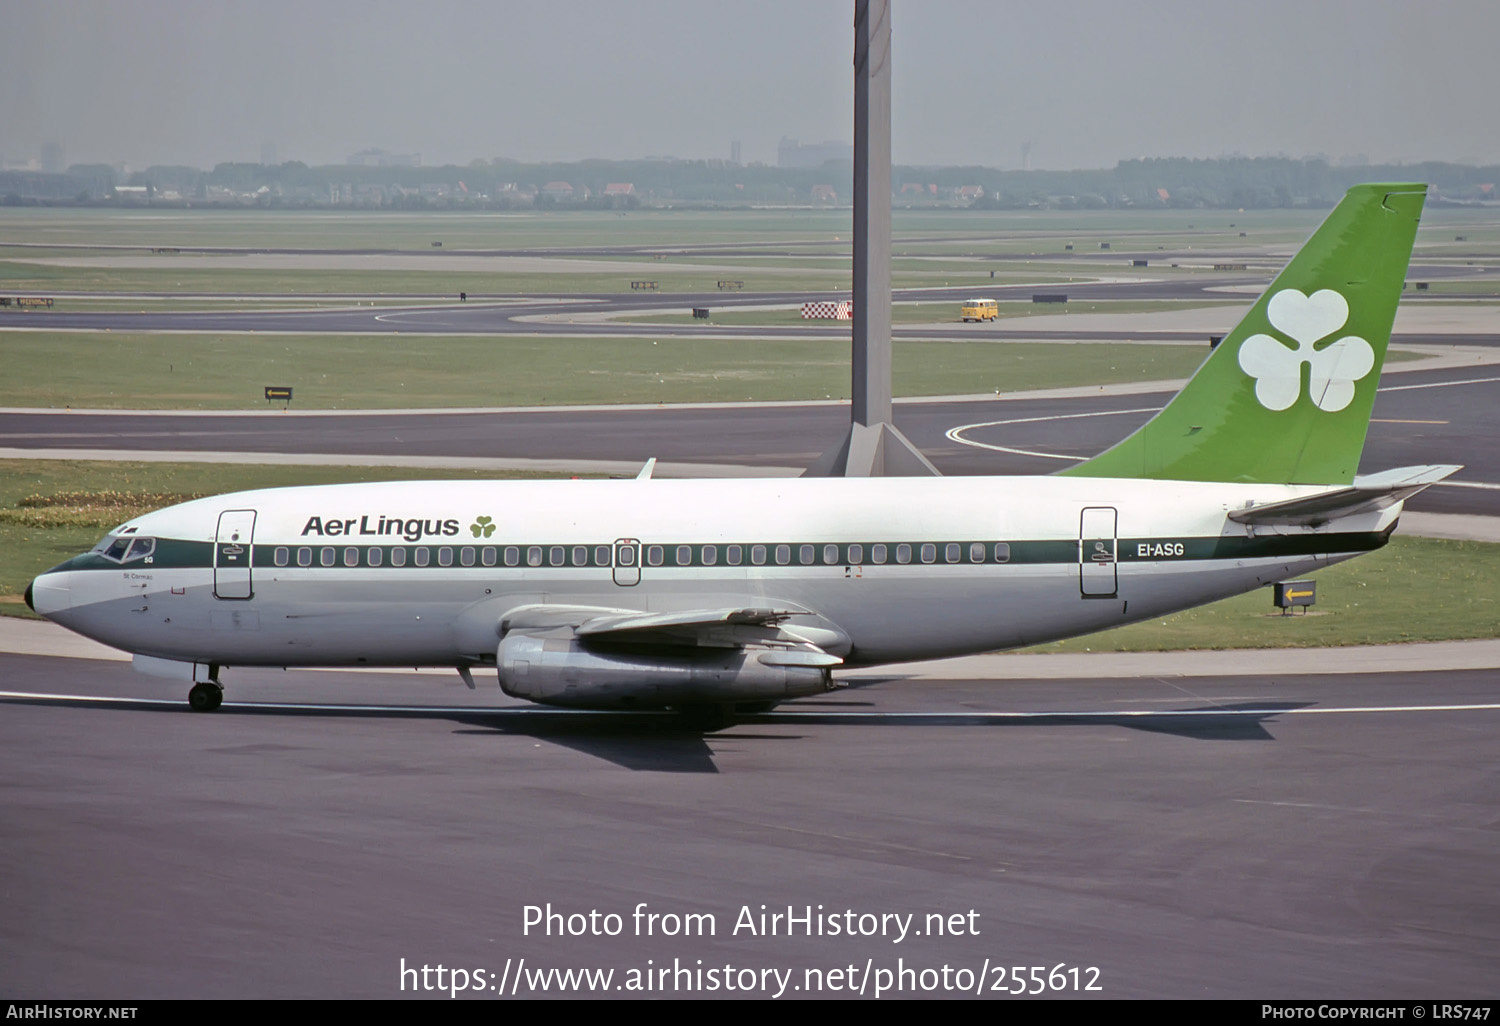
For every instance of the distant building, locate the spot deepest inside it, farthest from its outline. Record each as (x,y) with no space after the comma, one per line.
(620,189)
(791,153)
(734,152)
(380,158)
(970,192)
(558,190)
(824,194)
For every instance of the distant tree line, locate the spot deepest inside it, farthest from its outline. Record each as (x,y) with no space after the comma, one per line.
(1250,183)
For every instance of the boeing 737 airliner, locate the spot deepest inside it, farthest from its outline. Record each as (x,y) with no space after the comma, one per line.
(715,596)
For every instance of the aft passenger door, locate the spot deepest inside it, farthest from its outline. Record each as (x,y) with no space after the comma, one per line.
(233,549)
(1098,573)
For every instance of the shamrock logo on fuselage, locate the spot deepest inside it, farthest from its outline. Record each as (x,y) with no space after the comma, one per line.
(1335,368)
(482,527)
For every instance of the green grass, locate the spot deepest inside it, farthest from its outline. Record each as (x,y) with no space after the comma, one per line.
(51,510)
(929,230)
(132,371)
(19,278)
(1414,589)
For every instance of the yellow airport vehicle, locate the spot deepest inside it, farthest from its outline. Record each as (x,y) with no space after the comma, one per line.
(980,310)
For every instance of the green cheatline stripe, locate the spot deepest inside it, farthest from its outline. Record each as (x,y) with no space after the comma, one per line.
(173,555)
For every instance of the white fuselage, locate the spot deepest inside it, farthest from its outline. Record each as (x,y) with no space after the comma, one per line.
(422,573)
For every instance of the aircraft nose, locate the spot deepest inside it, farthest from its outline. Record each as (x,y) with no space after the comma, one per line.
(27,598)
(49,594)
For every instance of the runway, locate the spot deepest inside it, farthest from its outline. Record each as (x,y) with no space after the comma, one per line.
(1296,837)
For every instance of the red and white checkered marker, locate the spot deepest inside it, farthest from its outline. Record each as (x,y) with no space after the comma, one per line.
(841,311)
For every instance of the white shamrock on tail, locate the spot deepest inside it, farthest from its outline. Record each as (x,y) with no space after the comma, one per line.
(1277,370)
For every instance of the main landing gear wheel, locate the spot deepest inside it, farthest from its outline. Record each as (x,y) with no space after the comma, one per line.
(205,697)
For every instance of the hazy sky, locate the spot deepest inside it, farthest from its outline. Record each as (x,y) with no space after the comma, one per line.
(1088,82)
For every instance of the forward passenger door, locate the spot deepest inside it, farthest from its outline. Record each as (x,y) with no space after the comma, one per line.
(234,549)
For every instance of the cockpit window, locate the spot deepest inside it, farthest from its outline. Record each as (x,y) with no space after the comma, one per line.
(125,550)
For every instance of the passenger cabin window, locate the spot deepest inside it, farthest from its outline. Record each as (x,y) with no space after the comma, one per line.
(903,553)
(445,556)
(421,557)
(580,555)
(304,556)
(856,553)
(655,555)
(512,555)
(487,555)
(710,555)
(466,555)
(684,555)
(282,556)
(1002,552)
(783,554)
(326,556)
(733,555)
(954,552)
(830,554)
(877,553)
(805,555)
(351,557)
(976,552)
(534,555)
(601,555)
(758,554)
(398,556)
(556,556)
(929,553)
(374,556)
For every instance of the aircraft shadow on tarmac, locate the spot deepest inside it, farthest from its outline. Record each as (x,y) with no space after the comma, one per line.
(663,743)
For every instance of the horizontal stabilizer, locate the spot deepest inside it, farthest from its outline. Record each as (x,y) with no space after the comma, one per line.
(1368,494)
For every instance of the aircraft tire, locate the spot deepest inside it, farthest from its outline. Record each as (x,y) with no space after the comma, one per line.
(205,697)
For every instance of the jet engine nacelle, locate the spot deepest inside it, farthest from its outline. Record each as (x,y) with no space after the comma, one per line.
(563,671)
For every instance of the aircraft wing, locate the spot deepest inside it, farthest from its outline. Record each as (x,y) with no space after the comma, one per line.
(698,628)
(632,622)
(1367,494)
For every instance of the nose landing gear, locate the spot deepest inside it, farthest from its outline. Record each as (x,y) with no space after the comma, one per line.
(207,695)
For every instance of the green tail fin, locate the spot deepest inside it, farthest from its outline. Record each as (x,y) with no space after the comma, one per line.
(1286,397)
